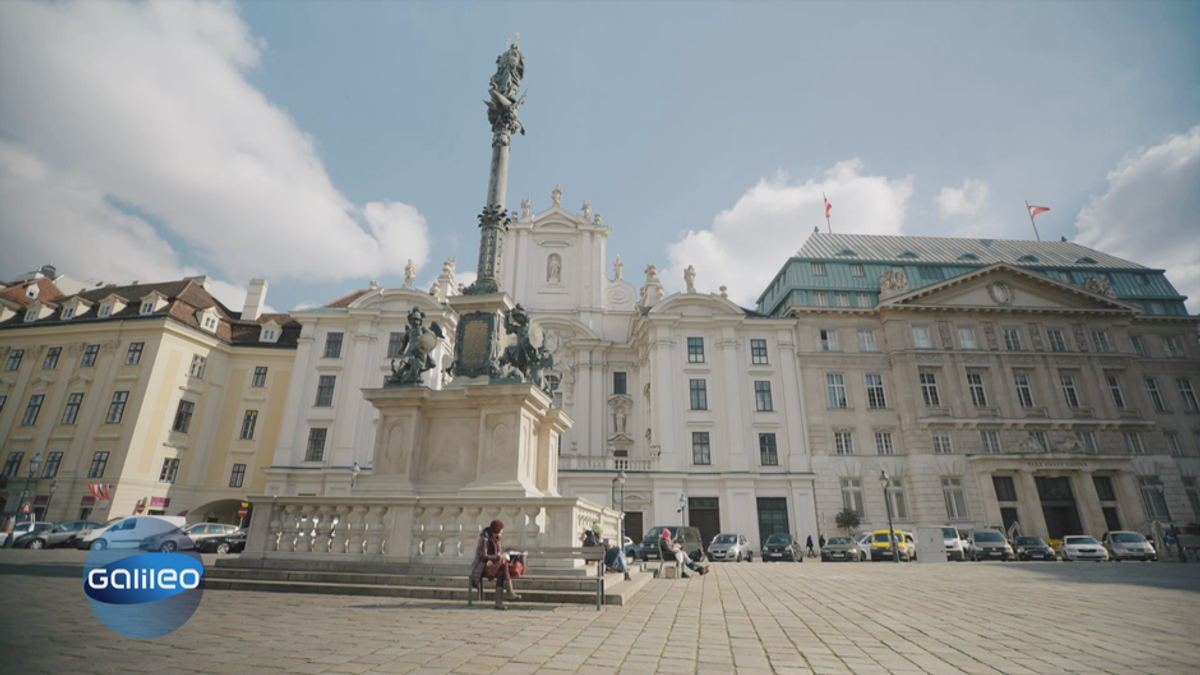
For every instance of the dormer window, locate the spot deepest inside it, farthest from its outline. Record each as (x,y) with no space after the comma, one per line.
(33,313)
(152,302)
(818,269)
(106,310)
(847,253)
(147,308)
(909,254)
(269,333)
(209,319)
(68,313)
(1028,259)
(968,256)
(1085,261)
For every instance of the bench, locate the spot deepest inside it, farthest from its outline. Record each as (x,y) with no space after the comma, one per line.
(586,553)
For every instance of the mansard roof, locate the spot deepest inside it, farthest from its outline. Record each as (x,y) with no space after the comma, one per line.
(933,250)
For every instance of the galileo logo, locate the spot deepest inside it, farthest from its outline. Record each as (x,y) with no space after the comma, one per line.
(139,594)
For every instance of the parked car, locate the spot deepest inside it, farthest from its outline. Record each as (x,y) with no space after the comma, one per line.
(881,548)
(1033,548)
(1126,545)
(864,544)
(688,539)
(23,527)
(782,547)
(53,536)
(990,545)
(628,548)
(186,538)
(127,531)
(1078,547)
(957,548)
(730,547)
(841,549)
(223,544)
(25,532)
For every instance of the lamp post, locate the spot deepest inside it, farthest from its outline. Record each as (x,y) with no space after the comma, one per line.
(621,524)
(1162,494)
(53,487)
(354,471)
(886,483)
(682,506)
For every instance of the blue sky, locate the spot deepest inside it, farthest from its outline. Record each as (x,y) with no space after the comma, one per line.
(321,145)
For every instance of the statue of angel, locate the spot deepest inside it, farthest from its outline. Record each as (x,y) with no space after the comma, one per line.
(415,350)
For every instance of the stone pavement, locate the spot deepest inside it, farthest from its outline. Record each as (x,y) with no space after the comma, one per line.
(743,618)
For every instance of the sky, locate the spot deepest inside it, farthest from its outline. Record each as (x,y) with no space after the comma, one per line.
(321,145)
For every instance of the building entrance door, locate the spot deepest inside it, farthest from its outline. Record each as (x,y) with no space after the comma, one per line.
(633,526)
(1058,506)
(704,513)
(1008,514)
(772,517)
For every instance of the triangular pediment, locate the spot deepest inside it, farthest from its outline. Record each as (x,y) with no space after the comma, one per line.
(1006,288)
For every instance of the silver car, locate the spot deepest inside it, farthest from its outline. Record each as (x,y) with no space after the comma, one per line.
(730,548)
(1124,545)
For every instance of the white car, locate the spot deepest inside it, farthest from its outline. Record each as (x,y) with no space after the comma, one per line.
(864,545)
(128,531)
(956,545)
(1077,547)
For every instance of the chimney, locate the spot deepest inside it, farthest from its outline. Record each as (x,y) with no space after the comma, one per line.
(256,297)
(202,280)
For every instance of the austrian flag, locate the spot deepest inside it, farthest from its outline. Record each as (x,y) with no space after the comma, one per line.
(1034,210)
(100,491)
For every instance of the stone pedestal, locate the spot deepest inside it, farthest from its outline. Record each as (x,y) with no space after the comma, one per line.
(479,338)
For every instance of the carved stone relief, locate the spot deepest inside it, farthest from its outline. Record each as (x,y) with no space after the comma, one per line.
(1080,339)
(989,332)
(1035,336)
(554,269)
(891,283)
(944,332)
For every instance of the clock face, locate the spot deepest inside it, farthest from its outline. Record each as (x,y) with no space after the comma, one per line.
(1001,293)
(535,335)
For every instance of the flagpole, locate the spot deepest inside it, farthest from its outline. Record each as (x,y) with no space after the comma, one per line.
(1030,212)
(828,227)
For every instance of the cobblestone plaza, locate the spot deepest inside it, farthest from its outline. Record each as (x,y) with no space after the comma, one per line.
(747,618)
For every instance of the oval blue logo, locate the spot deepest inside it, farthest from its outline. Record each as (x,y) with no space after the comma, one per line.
(144,578)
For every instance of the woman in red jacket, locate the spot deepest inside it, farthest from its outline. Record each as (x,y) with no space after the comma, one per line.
(491,562)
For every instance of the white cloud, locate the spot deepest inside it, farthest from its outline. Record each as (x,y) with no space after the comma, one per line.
(148,104)
(967,200)
(750,242)
(1148,215)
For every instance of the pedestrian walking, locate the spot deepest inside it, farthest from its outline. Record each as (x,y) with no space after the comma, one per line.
(810,547)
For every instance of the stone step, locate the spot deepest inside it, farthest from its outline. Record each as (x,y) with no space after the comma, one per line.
(537,581)
(415,569)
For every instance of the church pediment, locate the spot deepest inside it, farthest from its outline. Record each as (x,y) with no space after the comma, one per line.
(1006,288)
(697,304)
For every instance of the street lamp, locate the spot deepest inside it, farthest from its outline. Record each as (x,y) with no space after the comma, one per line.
(354,471)
(621,524)
(682,506)
(886,483)
(1162,494)
(53,487)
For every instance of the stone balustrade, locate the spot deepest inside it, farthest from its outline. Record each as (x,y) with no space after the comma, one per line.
(603,463)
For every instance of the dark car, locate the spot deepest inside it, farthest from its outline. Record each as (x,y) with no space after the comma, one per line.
(990,545)
(782,547)
(841,549)
(230,543)
(688,539)
(186,539)
(62,534)
(23,536)
(1033,548)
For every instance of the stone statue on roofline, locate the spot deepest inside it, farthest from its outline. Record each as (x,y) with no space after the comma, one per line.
(526,208)
(689,277)
(410,274)
(415,351)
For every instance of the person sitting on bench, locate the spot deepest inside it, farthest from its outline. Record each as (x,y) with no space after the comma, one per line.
(614,560)
(665,543)
(491,562)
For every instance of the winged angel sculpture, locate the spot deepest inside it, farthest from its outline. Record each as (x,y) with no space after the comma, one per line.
(528,355)
(504,86)
(414,354)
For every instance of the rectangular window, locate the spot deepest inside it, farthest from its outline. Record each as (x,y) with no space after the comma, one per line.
(758,352)
(249,421)
(864,300)
(821,298)
(260,377)
(1186,394)
(14,359)
(33,410)
(701,452)
(316,445)
(1012,339)
(170,469)
(1069,392)
(68,312)
(116,409)
(147,307)
(74,400)
(837,390)
(856,270)
(199,363)
(818,269)
(942,444)
(829,341)
(393,350)
(842,299)
(619,383)
(699,394)
(1152,392)
(133,355)
(106,311)
(1189,487)
(929,389)
(1058,342)
(99,463)
(767,452)
(1173,444)
(883,443)
(333,345)
(978,394)
(89,356)
(1138,347)
(876,397)
(1152,499)
(12,464)
(53,460)
(237,475)
(920,336)
(895,491)
(762,396)
(695,350)
(1024,390)
(843,442)
(1114,387)
(966,339)
(325,391)
(1133,443)
(956,501)
(1104,488)
(183,417)
(1100,339)
(852,496)
(1088,440)
(991,442)
(866,341)
(51,360)
(1006,489)
(1171,347)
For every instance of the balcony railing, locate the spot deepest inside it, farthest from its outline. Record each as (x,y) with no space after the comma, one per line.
(1129,413)
(1036,412)
(1083,413)
(594,463)
(988,412)
(935,411)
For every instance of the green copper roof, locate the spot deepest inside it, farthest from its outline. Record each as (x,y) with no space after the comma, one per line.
(882,248)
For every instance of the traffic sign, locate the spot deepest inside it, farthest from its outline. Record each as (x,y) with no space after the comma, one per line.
(141,506)
(25,508)
(242,512)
